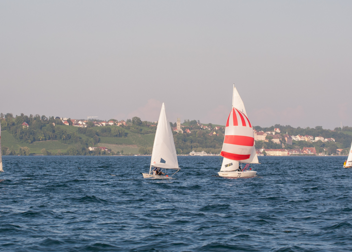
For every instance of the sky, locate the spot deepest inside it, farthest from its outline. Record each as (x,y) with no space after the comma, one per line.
(290,60)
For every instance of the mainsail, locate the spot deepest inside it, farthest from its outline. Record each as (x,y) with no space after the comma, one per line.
(238,103)
(1,170)
(349,159)
(238,146)
(164,152)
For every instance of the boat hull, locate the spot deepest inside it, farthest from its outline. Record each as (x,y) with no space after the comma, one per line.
(347,166)
(151,176)
(237,174)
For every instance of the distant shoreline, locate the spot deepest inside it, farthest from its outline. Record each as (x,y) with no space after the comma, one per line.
(150,156)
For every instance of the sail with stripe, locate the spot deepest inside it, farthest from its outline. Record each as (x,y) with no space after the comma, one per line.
(239,137)
(238,146)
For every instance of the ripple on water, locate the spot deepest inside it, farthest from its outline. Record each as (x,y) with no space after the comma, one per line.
(294,204)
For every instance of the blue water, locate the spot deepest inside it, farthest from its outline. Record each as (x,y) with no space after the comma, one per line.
(77,204)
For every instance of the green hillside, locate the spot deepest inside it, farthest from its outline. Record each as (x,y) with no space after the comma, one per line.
(54,146)
(40,135)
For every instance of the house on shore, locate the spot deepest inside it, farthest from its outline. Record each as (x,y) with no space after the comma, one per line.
(25,125)
(260,136)
(276,152)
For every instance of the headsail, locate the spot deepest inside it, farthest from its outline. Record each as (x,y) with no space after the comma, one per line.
(164,151)
(229,165)
(1,170)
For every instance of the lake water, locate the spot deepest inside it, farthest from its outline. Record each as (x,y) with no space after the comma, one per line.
(104,204)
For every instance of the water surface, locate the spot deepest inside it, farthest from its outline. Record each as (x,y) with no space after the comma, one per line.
(104,204)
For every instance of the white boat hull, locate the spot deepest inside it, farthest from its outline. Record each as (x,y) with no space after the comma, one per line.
(347,166)
(151,176)
(238,174)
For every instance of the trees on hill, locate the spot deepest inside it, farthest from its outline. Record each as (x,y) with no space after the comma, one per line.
(32,128)
(136,121)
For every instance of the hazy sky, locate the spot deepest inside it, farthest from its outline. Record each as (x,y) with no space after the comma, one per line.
(290,60)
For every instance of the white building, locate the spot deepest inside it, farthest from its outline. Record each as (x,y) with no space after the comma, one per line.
(319,138)
(202,153)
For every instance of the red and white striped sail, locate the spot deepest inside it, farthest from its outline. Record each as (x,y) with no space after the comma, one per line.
(239,137)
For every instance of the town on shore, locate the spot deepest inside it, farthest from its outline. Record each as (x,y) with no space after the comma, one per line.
(41,135)
(273,136)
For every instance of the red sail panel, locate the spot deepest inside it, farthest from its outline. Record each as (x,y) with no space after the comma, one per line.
(234,156)
(239,140)
(234,117)
(242,118)
(250,125)
(228,120)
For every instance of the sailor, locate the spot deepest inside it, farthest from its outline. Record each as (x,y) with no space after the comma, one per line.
(159,172)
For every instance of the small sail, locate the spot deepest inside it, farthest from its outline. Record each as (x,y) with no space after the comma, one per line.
(164,151)
(239,137)
(349,159)
(237,101)
(1,170)
(229,165)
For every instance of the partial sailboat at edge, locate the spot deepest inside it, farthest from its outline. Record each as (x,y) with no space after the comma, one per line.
(238,146)
(164,155)
(348,162)
(1,170)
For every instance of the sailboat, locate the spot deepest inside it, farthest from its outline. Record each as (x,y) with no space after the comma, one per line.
(164,155)
(238,146)
(1,170)
(348,162)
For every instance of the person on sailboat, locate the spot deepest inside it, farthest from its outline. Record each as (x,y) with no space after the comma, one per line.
(157,171)
(239,168)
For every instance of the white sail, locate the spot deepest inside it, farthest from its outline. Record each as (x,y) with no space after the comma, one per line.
(253,159)
(1,170)
(164,152)
(238,103)
(229,165)
(349,159)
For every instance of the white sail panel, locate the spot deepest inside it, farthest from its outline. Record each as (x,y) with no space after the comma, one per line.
(229,165)
(1,170)
(237,101)
(164,151)
(349,158)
